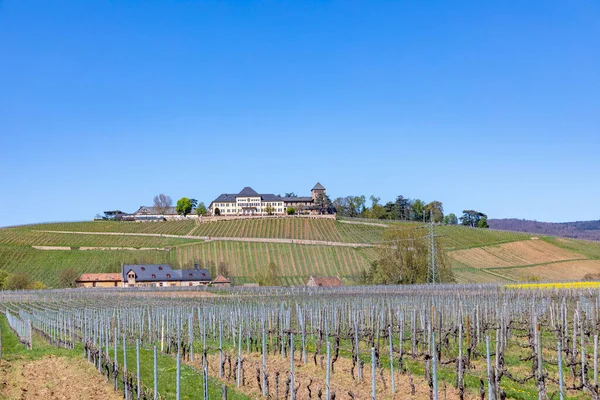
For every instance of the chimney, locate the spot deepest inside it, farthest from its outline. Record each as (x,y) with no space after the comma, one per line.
(196,266)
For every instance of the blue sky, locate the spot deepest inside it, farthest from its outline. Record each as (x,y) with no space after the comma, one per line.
(492,106)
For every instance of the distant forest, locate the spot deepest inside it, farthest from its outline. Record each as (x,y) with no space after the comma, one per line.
(589,230)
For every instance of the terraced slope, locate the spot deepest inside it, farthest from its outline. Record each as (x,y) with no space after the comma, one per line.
(292,228)
(477,255)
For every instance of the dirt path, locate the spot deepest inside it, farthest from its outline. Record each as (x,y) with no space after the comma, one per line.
(229,239)
(53,378)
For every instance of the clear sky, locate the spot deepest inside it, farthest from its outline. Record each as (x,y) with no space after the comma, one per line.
(488,105)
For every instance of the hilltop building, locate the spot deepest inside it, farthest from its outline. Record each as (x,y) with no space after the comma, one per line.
(147,213)
(250,202)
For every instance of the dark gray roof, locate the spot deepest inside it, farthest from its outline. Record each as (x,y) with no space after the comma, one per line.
(147,210)
(248,192)
(158,273)
(318,186)
(225,198)
(294,199)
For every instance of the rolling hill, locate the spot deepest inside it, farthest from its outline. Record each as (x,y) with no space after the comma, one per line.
(301,246)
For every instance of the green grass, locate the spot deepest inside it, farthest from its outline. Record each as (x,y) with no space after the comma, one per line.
(45,266)
(586,248)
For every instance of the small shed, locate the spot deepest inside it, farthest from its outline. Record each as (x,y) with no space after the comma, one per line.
(221,280)
(324,281)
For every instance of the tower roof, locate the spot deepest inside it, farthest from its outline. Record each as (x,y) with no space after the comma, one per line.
(248,192)
(318,186)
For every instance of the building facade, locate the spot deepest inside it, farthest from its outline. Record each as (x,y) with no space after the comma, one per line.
(161,275)
(100,280)
(250,202)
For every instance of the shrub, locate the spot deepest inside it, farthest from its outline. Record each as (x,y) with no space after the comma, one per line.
(68,277)
(291,211)
(18,281)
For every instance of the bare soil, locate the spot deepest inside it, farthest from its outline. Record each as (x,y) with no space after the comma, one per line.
(524,252)
(53,378)
(568,270)
(341,381)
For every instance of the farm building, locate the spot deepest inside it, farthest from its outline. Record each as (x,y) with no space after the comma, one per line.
(324,281)
(221,280)
(250,202)
(160,275)
(99,280)
(146,213)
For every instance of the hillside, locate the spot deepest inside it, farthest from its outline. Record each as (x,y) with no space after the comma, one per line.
(302,247)
(588,230)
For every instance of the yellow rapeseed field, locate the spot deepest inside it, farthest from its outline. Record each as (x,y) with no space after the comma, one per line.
(555,285)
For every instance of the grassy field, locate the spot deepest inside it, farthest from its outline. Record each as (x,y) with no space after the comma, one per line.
(476,255)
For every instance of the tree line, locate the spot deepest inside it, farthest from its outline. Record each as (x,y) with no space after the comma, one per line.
(405,209)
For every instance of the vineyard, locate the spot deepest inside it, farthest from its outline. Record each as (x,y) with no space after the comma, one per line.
(419,342)
(245,260)
(476,255)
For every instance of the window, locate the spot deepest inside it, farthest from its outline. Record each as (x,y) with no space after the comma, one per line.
(160,284)
(203,274)
(154,275)
(168,275)
(160,268)
(143,268)
(191,275)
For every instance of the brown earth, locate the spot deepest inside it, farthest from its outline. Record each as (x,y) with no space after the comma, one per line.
(561,271)
(341,380)
(523,252)
(53,378)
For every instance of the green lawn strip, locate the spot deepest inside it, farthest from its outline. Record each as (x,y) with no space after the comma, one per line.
(586,248)
(534,265)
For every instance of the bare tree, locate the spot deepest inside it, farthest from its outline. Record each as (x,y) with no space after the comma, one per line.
(162,202)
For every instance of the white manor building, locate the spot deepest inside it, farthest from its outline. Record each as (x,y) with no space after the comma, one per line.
(249,202)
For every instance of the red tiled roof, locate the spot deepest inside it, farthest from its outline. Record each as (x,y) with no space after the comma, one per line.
(221,279)
(329,281)
(111,277)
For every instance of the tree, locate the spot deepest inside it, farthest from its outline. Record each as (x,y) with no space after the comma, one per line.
(482,223)
(162,202)
(68,277)
(3,276)
(201,209)
(323,203)
(404,258)
(418,210)
(18,281)
(291,194)
(377,210)
(450,219)
(184,206)
(271,276)
(291,211)
(223,269)
(38,285)
(434,209)
(403,207)
(269,209)
(471,218)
